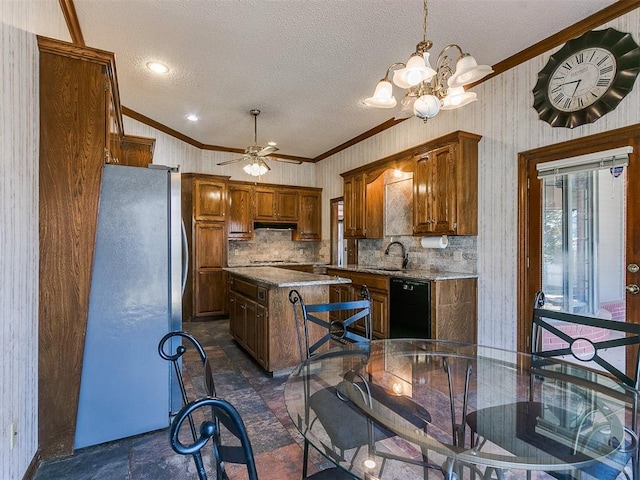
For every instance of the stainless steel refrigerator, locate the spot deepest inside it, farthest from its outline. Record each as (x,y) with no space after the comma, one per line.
(136,297)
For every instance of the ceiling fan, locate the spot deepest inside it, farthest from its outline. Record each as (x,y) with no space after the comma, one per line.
(256,156)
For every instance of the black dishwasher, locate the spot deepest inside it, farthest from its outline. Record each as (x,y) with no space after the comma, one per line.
(410,309)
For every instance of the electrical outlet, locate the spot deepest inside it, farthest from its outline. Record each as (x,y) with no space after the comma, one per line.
(235,252)
(301,251)
(457,256)
(13,434)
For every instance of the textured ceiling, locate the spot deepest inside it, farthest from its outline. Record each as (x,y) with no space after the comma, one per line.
(307,64)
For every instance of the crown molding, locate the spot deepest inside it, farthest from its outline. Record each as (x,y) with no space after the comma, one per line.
(70,16)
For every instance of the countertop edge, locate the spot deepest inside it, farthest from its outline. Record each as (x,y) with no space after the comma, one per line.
(281,278)
(417,274)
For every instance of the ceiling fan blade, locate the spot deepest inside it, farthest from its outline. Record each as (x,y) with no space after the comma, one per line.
(231,161)
(267,150)
(286,160)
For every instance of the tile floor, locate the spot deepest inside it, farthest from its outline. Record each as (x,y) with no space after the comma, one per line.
(257,396)
(259,399)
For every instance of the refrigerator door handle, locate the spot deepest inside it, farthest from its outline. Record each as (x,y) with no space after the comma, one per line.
(185,257)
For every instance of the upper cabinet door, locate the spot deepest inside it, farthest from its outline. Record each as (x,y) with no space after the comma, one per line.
(210,200)
(354,206)
(265,204)
(434,202)
(240,223)
(287,205)
(276,204)
(309,219)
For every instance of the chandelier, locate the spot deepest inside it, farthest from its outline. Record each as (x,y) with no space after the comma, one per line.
(429,90)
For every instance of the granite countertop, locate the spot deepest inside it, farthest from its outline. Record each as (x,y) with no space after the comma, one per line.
(279,277)
(277,263)
(409,274)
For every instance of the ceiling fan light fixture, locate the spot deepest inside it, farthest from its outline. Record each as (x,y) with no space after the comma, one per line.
(256,168)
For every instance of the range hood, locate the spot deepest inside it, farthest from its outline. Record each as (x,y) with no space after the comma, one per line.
(275,225)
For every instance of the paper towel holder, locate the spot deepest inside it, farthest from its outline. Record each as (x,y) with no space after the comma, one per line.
(435,242)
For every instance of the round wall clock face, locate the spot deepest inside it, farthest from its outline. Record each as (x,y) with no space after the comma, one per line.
(587,78)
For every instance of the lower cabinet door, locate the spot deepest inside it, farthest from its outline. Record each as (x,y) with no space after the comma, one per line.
(210,293)
(380,313)
(262,339)
(250,327)
(236,316)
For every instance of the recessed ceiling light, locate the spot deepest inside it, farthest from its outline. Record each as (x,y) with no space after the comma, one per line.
(192,118)
(272,144)
(157,67)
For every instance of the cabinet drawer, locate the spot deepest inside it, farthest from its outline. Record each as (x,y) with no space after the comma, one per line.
(371,280)
(247,289)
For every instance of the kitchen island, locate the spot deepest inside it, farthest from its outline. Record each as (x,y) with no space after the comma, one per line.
(261,317)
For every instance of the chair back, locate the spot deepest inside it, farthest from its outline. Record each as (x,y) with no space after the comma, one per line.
(215,412)
(166,346)
(347,317)
(582,338)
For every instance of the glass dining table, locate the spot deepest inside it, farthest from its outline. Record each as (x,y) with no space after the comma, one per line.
(465,410)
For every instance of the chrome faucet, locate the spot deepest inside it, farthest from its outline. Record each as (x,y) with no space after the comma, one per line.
(405,255)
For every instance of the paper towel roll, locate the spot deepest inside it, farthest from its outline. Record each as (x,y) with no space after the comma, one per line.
(435,242)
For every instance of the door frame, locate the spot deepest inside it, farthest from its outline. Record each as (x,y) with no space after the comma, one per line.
(334,228)
(529,256)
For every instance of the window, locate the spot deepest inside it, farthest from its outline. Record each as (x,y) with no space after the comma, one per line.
(583,234)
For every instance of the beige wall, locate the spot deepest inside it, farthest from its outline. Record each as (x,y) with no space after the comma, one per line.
(19,143)
(504,116)
(171,151)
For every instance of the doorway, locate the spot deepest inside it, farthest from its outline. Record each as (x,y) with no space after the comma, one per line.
(579,228)
(344,251)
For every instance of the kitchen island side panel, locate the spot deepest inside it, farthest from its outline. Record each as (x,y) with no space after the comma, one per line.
(284,352)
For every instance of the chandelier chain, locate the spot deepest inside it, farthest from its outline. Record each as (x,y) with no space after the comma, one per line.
(424,22)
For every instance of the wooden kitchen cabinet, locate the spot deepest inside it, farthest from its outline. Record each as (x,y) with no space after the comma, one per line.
(80,124)
(135,151)
(210,199)
(363,206)
(445,188)
(309,216)
(205,294)
(454,310)
(261,320)
(275,204)
(378,286)
(248,316)
(240,212)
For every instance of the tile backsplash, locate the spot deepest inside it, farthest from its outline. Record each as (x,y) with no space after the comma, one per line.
(459,256)
(272,245)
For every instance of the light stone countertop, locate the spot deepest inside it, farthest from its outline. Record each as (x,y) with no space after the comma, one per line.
(409,274)
(279,277)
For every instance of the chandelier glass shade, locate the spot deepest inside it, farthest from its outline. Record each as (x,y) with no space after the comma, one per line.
(429,90)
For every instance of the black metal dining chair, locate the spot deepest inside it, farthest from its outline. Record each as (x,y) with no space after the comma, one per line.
(165,350)
(568,332)
(216,414)
(349,322)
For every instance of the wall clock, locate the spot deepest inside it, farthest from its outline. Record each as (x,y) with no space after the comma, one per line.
(586,78)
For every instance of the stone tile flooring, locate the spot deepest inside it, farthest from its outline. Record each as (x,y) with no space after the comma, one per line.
(257,396)
(259,399)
